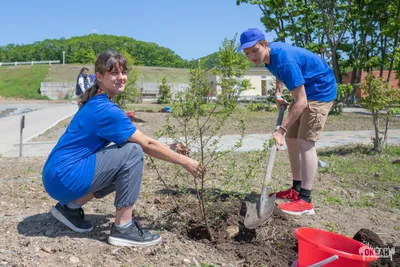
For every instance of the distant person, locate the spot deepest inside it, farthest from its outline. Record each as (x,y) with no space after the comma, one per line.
(82,82)
(82,166)
(92,79)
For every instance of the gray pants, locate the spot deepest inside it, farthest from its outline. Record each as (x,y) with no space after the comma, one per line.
(119,168)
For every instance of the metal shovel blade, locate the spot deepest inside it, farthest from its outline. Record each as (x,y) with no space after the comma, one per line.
(256,217)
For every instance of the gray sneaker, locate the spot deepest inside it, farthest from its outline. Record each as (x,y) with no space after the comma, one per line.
(73,218)
(133,236)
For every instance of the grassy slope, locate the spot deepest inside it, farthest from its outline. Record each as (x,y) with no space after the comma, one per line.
(22,81)
(69,72)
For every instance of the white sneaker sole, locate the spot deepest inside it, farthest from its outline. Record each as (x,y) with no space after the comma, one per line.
(59,216)
(116,241)
(306,212)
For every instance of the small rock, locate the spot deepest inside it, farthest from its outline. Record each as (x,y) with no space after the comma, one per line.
(370,194)
(10,252)
(397,161)
(232,230)
(25,243)
(49,232)
(187,261)
(377,174)
(46,249)
(148,251)
(74,259)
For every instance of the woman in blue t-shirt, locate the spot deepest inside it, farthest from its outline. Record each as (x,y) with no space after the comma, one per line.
(82,166)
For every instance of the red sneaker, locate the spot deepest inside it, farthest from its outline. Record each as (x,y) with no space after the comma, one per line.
(287,194)
(297,207)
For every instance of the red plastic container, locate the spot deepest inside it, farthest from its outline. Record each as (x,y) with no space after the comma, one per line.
(315,245)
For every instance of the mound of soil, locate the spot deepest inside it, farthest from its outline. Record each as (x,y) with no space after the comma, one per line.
(273,244)
(371,239)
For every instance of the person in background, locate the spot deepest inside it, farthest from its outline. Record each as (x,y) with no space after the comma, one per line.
(82,82)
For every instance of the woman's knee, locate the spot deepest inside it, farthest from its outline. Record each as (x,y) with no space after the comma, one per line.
(134,150)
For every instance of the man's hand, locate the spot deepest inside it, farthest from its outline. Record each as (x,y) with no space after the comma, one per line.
(278,136)
(280,101)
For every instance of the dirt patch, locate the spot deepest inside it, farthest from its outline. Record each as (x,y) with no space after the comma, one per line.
(30,236)
(273,244)
(371,239)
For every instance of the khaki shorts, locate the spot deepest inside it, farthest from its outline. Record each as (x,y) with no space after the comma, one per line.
(311,122)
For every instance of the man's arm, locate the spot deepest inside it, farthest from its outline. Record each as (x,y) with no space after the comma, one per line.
(300,98)
(279,88)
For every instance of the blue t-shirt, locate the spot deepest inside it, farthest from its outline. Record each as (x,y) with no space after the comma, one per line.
(70,167)
(295,66)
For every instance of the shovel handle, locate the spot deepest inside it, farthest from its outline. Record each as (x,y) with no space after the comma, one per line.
(270,166)
(280,115)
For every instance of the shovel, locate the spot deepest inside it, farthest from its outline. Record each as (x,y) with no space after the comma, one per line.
(258,213)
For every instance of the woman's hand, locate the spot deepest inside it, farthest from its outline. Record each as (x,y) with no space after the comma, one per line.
(180,148)
(194,168)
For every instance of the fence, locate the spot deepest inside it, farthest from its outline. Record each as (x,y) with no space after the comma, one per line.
(66,90)
(16,63)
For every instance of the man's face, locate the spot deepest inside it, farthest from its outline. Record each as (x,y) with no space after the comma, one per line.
(257,53)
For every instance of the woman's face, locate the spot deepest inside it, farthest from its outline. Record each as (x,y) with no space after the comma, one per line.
(113,82)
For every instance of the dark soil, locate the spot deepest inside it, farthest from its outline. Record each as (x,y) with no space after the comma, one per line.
(273,244)
(371,239)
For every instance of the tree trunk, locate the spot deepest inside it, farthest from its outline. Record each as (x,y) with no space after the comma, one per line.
(385,138)
(375,117)
(335,66)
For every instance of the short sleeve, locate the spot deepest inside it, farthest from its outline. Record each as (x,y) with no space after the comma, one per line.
(291,75)
(115,126)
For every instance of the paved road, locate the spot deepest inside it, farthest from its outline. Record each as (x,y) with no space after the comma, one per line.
(36,122)
(50,114)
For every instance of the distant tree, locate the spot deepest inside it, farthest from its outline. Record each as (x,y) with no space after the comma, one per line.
(164,92)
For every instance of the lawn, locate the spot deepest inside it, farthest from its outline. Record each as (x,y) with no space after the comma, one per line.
(69,72)
(22,81)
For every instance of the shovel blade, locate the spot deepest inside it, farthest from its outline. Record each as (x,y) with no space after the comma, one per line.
(252,218)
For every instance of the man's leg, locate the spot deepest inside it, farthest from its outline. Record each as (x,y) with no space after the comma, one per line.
(295,162)
(312,122)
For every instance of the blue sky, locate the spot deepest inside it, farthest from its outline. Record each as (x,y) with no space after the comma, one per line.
(192,29)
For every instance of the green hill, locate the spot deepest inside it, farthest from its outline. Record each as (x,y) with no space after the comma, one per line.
(69,72)
(85,49)
(22,81)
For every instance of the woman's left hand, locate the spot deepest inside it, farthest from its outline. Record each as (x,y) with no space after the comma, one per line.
(180,148)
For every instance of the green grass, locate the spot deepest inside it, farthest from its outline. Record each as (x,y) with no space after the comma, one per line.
(360,162)
(22,81)
(69,72)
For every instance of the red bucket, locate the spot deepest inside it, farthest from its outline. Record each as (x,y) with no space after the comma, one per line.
(315,245)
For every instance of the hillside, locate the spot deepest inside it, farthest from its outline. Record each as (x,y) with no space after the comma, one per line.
(22,81)
(85,49)
(69,72)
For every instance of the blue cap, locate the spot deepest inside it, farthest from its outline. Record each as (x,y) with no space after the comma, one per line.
(250,37)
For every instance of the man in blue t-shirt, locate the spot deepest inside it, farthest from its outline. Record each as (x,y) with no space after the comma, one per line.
(313,86)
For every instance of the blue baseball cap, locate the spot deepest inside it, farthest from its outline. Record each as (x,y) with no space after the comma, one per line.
(250,37)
